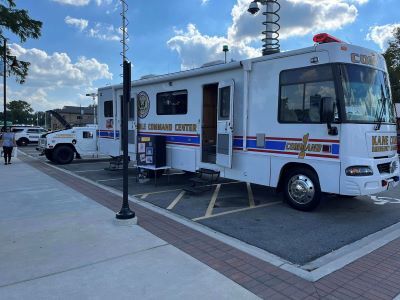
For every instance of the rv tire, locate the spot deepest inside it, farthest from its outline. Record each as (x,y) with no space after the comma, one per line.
(302,190)
(63,155)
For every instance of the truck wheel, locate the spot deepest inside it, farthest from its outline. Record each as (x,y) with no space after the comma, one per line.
(49,155)
(302,189)
(23,142)
(63,155)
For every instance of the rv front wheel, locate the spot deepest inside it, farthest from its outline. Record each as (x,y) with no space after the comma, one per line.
(302,189)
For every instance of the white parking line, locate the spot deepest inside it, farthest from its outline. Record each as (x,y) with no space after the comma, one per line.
(236,210)
(213,200)
(144,196)
(176,200)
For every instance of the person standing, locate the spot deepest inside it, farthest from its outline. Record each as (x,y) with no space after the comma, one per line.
(8,143)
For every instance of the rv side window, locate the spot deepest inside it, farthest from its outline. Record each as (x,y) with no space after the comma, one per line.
(108,109)
(301,92)
(224,103)
(172,103)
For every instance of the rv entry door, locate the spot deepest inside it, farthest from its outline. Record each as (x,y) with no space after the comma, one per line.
(226,91)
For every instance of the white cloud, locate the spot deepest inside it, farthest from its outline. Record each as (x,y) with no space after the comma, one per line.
(73,2)
(105,32)
(83,2)
(101,31)
(105,2)
(204,2)
(298,18)
(196,49)
(381,35)
(81,24)
(56,73)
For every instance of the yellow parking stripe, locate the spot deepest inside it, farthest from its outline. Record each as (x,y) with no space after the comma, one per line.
(176,200)
(236,210)
(251,196)
(213,200)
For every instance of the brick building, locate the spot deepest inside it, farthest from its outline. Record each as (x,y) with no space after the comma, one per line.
(74,115)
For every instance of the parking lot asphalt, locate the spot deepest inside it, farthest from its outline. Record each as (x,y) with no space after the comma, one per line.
(256,214)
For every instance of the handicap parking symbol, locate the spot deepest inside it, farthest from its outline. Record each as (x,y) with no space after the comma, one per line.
(384,200)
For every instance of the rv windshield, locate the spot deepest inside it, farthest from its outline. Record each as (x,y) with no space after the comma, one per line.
(366,95)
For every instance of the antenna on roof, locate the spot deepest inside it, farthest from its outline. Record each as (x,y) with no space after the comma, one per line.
(271,32)
(124,29)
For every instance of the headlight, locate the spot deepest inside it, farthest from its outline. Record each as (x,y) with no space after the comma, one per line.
(359,171)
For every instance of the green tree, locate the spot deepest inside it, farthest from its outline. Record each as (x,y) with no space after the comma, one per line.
(18,22)
(392,56)
(20,111)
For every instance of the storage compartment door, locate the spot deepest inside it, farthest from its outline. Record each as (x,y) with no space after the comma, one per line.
(226,92)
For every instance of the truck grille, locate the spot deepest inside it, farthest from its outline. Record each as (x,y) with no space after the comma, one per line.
(42,142)
(384,168)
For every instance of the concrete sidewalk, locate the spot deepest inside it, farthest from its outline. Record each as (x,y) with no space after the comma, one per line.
(58,244)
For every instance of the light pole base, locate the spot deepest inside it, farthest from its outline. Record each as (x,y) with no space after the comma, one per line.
(126,222)
(125,214)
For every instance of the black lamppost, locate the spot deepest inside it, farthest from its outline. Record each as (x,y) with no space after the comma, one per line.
(125,213)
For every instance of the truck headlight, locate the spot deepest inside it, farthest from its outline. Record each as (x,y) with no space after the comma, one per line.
(359,171)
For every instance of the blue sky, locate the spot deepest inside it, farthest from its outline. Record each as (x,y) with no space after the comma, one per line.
(79,47)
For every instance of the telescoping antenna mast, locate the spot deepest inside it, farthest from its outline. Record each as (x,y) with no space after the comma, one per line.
(124,29)
(271,32)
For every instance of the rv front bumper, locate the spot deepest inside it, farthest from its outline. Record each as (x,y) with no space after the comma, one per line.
(385,176)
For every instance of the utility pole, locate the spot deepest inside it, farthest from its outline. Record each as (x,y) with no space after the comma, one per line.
(93,95)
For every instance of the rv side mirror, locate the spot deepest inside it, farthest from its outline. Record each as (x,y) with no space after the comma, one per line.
(328,114)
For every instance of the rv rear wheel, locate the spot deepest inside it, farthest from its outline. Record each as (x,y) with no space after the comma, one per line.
(302,189)
(63,155)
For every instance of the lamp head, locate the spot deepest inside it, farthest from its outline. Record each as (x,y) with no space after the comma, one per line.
(253,8)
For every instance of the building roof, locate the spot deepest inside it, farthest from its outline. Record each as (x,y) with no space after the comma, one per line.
(75,110)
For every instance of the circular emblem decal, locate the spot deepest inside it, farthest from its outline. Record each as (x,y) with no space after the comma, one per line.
(143,103)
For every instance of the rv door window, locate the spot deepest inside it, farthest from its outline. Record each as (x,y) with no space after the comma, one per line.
(108,109)
(172,103)
(224,103)
(301,93)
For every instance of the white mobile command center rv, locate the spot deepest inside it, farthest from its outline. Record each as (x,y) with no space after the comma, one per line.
(310,121)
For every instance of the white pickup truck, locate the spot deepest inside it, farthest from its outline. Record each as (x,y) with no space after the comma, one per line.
(62,146)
